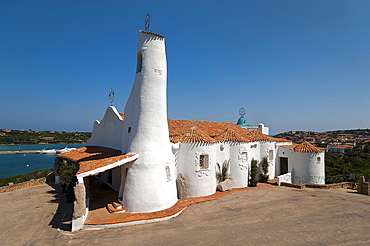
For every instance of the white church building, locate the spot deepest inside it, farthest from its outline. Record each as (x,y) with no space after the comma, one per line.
(142,159)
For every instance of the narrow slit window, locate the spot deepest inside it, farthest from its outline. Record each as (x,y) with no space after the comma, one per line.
(139,64)
(168,173)
(271,155)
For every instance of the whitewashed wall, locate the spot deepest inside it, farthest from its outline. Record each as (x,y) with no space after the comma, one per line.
(304,167)
(265,147)
(262,128)
(108,132)
(150,183)
(240,164)
(199,182)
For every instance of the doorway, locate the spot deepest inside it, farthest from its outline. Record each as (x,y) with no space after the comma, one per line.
(283,165)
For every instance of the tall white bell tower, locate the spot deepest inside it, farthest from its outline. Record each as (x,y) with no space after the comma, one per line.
(150,183)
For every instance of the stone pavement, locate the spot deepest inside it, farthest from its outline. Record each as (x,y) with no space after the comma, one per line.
(273,216)
(100,217)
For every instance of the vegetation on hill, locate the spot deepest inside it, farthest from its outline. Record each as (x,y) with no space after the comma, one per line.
(25,177)
(356,160)
(322,139)
(41,137)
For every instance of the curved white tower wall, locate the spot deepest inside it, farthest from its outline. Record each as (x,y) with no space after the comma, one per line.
(239,164)
(150,183)
(199,181)
(309,167)
(268,150)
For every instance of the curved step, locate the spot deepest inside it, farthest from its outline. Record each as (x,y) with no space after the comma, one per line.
(112,209)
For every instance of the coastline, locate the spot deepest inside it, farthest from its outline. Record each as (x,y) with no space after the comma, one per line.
(11,152)
(38,143)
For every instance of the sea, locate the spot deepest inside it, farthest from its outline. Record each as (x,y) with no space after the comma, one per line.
(15,164)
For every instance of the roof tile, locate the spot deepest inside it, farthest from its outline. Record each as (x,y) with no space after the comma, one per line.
(93,157)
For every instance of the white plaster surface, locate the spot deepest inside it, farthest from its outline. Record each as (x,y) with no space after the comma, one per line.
(108,132)
(147,187)
(304,167)
(199,182)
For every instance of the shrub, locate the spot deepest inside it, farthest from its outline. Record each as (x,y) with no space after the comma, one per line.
(223,173)
(265,169)
(253,173)
(68,179)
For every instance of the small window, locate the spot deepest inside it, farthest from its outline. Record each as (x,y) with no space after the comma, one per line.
(244,156)
(271,155)
(203,162)
(129,130)
(318,160)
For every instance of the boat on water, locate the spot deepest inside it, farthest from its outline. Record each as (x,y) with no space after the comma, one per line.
(66,149)
(47,151)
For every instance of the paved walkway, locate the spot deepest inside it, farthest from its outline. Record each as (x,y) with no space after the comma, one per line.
(273,216)
(100,216)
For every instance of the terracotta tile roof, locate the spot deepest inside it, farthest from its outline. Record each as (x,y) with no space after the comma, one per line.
(341,147)
(93,157)
(151,33)
(229,135)
(122,115)
(304,147)
(193,136)
(218,131)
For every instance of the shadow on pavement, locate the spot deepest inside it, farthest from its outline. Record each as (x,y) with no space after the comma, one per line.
(62,219)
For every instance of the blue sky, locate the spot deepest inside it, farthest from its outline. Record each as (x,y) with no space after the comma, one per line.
(293,65)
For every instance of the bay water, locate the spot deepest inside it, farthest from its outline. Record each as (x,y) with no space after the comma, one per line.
(15,164)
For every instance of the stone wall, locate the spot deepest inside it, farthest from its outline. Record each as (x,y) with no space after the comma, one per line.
(26,184)
(326,186)
(363,187)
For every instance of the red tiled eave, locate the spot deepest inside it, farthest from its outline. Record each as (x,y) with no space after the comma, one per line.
(304,147)
(93,157)
(151,33)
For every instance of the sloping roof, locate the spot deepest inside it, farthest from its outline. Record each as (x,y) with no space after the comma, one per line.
(97,158)
(151,33)
(304,147)
(218,131)
(193,136)
(229,135)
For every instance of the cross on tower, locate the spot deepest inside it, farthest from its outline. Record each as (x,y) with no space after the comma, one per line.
(147,22)
(111,96)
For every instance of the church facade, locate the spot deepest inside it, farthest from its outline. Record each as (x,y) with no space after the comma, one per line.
(142,159)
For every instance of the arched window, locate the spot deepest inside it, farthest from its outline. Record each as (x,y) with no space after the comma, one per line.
(139,64)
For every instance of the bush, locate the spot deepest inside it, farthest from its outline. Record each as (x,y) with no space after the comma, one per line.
(68,180)
(265,169)
(223,173)
(253,173)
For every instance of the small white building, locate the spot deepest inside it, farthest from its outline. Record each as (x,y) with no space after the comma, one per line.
(304,162)
(141,158)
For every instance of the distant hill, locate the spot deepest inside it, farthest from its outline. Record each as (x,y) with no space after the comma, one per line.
(356,160)
(322,139)
(41,137)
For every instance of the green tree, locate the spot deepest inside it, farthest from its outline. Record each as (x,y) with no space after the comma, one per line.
(68,180)
(265,169)
(253,173)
